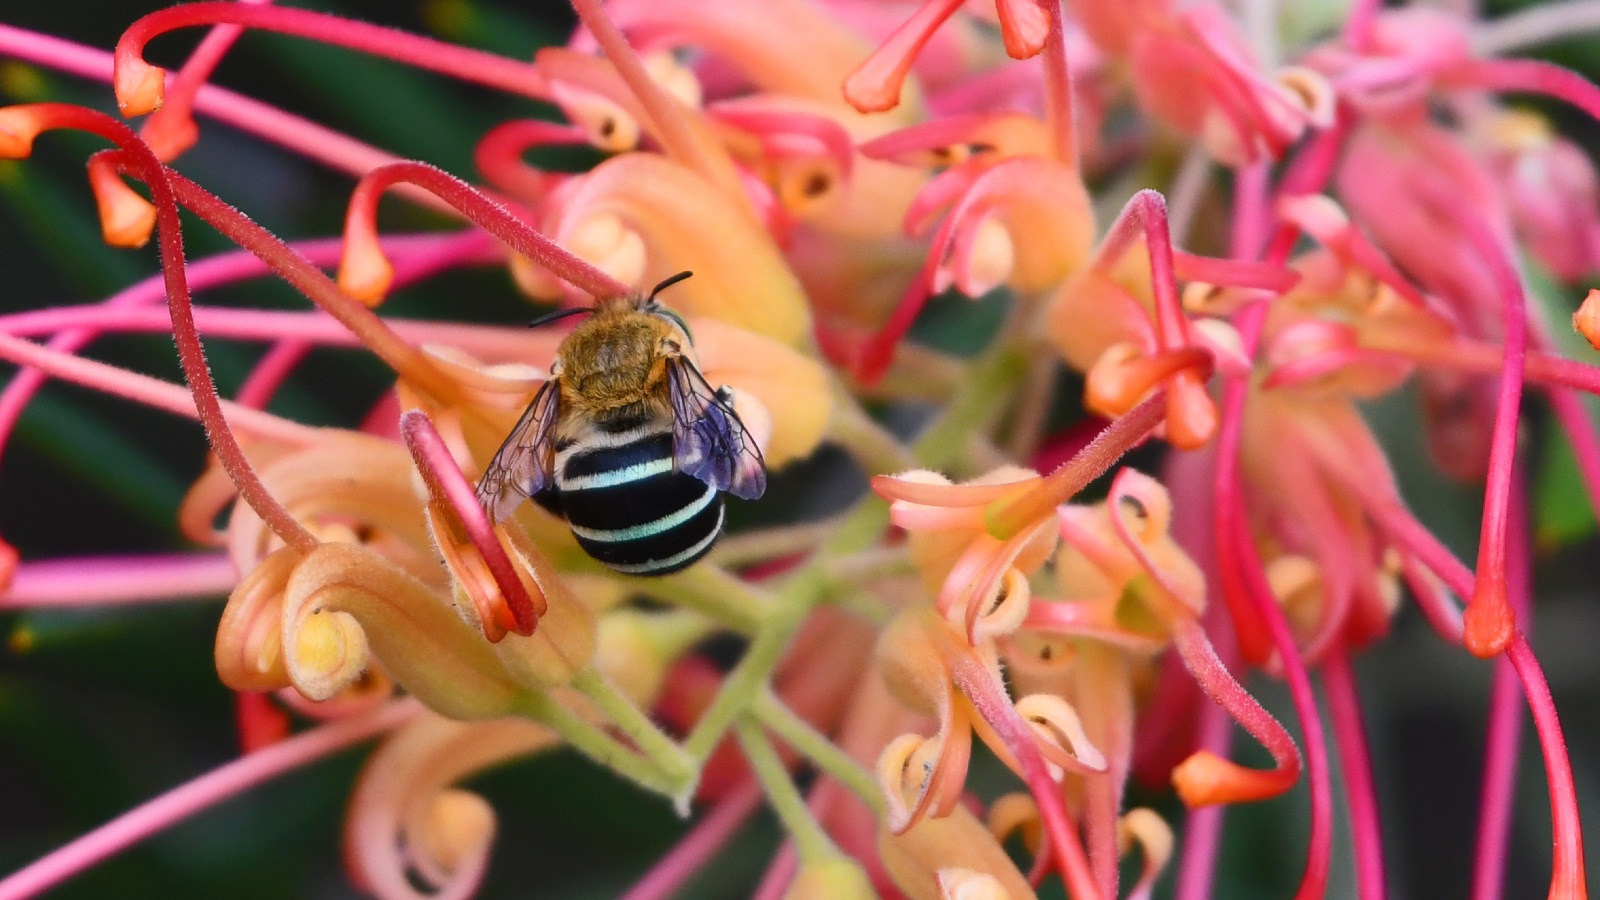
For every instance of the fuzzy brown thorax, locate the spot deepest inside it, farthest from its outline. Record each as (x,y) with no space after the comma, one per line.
(615,363)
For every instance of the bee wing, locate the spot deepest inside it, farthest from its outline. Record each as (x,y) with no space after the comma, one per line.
(522,465)
(708,440)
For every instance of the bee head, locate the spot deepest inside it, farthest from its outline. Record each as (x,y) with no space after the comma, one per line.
(656,309)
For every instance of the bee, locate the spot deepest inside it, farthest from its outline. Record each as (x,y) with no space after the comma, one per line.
(628,441)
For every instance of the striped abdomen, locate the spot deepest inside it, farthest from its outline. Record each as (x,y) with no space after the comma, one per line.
(629,507)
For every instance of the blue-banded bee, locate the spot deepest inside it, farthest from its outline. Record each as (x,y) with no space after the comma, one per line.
(628,441)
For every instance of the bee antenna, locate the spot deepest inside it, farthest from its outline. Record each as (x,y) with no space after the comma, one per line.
(667,282)
(549,317)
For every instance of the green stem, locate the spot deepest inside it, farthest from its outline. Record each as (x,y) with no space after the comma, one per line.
(870,565)
(974,406)
(798,733)
(747,679)
(633,723)
(765,544)
(810,840)
(592,741)
(873,448)
(711,590)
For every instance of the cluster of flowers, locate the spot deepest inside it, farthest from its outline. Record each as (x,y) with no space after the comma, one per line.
(821,191)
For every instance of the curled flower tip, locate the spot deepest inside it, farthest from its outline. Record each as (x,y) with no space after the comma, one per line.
(19,125)
(460,524)
(1586,321)
(126,219)
(1191,413)
(140,87)
(364,272)
(9,560)
(1154,835)
(875,85)
(411,834)
(1024,26)
(170,132)
(1206,779)
(249,647)
(1124,375)
(1489,622)
(1060,734)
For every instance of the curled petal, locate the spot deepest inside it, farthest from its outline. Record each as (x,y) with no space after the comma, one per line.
(407,826)
(1004,611)
(1060,734)
(249,646)
(504,386)
(1154,837)
(1016,812)
(929,771)
(373,689)
(986,592)
(783,47)
(952,140)
(1044,211)
(350,487)
(741,280)
(342,599)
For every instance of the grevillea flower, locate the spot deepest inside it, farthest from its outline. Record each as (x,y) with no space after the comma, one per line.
(942,684)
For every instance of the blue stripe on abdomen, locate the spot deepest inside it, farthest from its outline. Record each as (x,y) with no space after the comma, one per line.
(631,510)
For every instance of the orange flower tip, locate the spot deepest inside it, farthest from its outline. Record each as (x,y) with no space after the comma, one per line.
(870,94)
(9,560)
(1024,27)
(1191,414)
(1489,623)
(365,274)
(140,87)
(126,219)
(1206,779)
(18,127)
(169,133)
(1586,321)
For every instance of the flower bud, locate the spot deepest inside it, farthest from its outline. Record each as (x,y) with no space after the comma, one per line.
(343,599)
(834,878)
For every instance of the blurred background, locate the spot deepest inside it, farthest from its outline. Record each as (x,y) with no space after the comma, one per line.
(103,709)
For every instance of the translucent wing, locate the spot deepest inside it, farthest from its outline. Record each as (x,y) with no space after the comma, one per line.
(522,465)
(708,440)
